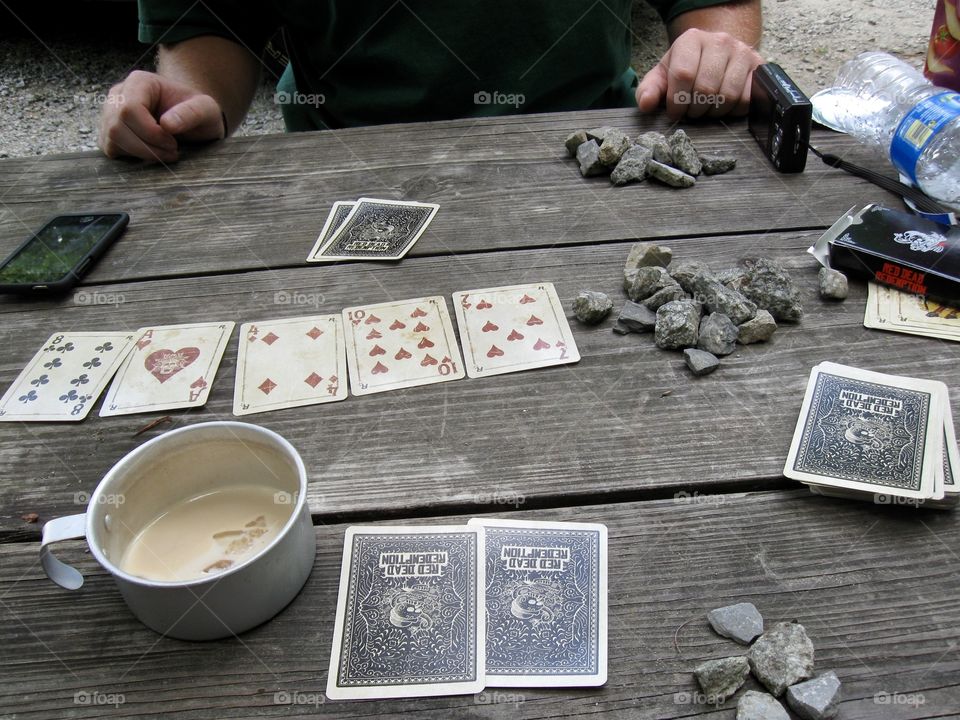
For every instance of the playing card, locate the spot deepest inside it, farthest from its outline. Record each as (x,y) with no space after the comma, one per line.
(65,377)
(377,230)
(338,213)
(870,432)
(400,344)
(951,453)
(410,617)
(512,328)
(890,309)
(546,602)
(169,367)
(290,363)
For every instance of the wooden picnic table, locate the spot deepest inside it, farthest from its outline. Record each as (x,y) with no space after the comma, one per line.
(685,472)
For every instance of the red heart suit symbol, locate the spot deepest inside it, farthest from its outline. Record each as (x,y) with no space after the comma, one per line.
(494,351)
(540,344)
(483,305)
(526,299)
(397,325)
(379,369)
(418,313)
(377,350)
(424,343)
(374,335)
(514,335)
(421,327)
(402,355)
(164,364)
(490,327)
(371,319)
(534,320)
(428,360)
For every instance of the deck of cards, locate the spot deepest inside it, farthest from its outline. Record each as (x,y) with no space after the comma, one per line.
(883,438)
(897,311)
(449,610)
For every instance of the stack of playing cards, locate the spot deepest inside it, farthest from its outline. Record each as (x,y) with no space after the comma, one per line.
(877,437)
(371,229)
(449,610)
(889,309)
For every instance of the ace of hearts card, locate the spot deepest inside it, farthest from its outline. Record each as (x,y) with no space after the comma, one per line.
(169,367)
(512,328)
(400,344)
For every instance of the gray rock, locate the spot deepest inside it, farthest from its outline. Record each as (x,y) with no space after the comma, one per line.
(664,295)
(732,277)
(637,318)
(588,155)
(771,288)
(669,176)
(591,307)
(613,144)
(718,335)
(719,679)
(645,254)
(716,164)
(782,656)
(755,705)
(684,273)
(741,622)
(657,144)
(700,362)
(620,329)
(575,140)
(718,298)
(817,699)
(758,329)
(632,166)
(684,154)
(677,324)
(645,281)
(601,133)
(833,284)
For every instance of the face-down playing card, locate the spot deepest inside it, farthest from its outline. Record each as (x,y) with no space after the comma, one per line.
(338,213)
(66,376)
(400,344)
(513,328)
(169,367)
(376,230)
(546,600)
(410,619)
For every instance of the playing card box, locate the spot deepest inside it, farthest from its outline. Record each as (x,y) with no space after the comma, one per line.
(903,251)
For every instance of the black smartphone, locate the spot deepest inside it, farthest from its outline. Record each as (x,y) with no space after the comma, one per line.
(54,258)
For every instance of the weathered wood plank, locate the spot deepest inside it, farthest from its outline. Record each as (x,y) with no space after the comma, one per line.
(259,202)
(874,586)
(572,434)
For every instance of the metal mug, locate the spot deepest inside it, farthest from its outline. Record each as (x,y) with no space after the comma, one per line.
(182,464)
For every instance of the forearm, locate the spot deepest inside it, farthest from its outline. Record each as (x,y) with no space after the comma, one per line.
(741,19)
(220,68)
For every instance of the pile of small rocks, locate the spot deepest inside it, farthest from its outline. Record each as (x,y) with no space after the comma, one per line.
(781,659)
(688,307)
(671,160)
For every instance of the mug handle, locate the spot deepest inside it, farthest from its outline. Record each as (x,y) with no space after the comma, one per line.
(70,527)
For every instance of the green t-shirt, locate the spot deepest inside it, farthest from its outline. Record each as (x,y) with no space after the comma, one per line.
(369,62)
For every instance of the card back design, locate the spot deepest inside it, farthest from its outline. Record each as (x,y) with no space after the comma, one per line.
(377,229)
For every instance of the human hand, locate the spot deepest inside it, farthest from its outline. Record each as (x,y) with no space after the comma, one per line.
(147,114)
(703,73)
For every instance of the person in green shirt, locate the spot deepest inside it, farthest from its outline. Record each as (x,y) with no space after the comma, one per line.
(372,62)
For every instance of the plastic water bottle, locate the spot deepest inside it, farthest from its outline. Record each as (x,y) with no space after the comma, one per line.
(889,105)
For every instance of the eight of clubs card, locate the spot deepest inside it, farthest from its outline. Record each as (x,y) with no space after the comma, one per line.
(410,616)
(375,230)
(507,329)
(169,367)
(400,344)
(289,363)
(66,376)
(546,600)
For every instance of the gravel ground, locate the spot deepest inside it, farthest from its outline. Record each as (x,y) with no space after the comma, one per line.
(54,77)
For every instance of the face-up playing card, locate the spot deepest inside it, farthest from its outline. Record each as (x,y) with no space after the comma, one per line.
(338,213)
(290,363)
(400,344)
(546,601)
(518,327)
(890,309)
(410,618)
(377,230)
(869,432)
(169,367)
(65,377)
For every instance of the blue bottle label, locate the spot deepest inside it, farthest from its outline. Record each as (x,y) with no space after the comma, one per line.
(919,127)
